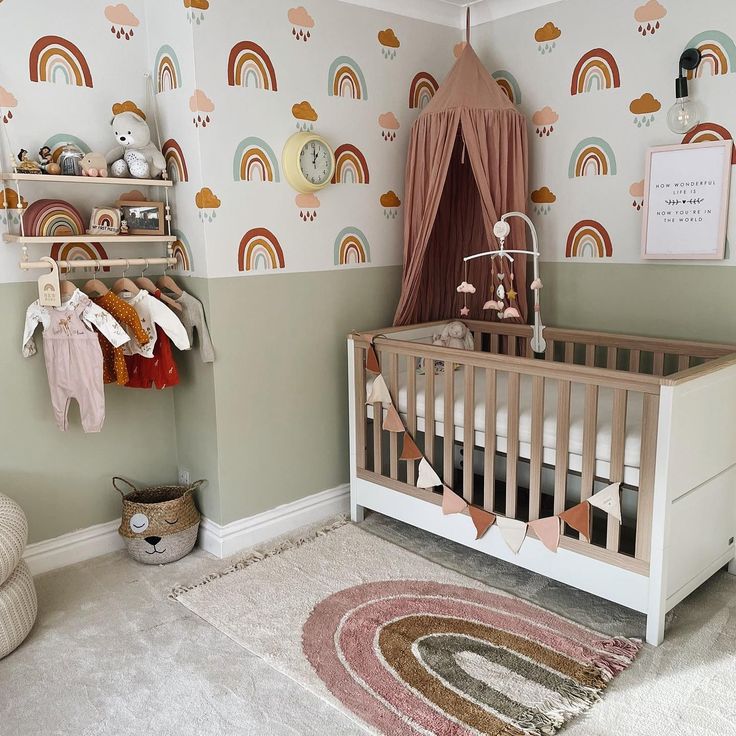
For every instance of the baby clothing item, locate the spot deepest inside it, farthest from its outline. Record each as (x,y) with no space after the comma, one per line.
(114,369)
(192,317)
(73,355)
(152,312)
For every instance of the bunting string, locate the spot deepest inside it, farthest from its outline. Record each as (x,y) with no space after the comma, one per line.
(514,532)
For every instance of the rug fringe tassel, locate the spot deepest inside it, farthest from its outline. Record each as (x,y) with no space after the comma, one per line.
(618,653)
(260,554)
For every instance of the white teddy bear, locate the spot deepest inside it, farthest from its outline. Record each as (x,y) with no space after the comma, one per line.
(135,155)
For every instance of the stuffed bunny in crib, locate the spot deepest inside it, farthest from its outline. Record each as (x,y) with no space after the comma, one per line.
(454,335)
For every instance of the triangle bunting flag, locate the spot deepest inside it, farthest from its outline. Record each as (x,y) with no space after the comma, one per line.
(512,531)
(379,392)
(482,519)
(452,503)
(609,499)
(410,451)
(392,422)
(547,531)
(427,477)
(371,360)
(578,517)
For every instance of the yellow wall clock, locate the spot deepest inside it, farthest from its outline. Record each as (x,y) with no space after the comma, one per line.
(308,162)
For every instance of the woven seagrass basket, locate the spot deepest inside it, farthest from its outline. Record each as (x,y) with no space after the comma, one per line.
(159,523)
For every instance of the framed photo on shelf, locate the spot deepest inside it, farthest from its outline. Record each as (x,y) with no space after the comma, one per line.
(686,198)
(143,218)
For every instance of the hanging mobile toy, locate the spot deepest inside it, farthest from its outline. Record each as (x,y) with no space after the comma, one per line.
(465,288)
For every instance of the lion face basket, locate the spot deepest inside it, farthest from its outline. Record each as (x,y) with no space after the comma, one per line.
(160,523)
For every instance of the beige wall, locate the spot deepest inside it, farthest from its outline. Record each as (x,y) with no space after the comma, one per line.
(62,480)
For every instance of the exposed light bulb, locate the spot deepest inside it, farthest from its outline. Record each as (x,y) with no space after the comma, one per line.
(683,116)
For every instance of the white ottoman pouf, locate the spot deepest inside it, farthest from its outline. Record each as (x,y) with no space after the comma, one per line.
(18,608)
(13,536)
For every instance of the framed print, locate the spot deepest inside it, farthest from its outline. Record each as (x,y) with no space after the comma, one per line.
(143,218)
(686,196)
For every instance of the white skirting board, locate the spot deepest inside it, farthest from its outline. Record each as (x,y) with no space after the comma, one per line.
(219,540)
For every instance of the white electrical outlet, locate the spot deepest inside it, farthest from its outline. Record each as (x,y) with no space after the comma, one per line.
(184,477)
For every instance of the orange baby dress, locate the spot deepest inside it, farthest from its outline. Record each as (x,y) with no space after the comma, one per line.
(114,369)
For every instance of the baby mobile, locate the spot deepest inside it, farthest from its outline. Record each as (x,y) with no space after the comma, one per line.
(503,297)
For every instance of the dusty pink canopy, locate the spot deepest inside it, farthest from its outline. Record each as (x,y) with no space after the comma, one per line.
(467,166)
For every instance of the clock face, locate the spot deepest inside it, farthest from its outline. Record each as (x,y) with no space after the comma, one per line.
(315,162)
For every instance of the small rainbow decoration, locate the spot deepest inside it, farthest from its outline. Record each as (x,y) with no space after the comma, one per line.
(79,252)
(350,166)
(507,82)
(54,59)
(260,250)
(250,66)
(718,53)
(50,217)
(422,90)
(181,251)
(592,157)
(176,164)
(57,142)
(167,72)
(345,79)
(588,238)
(707,132)
(351,247)
(255,160)
(596,70)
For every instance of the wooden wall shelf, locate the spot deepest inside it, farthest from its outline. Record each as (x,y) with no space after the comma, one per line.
(32,240)
(49,179)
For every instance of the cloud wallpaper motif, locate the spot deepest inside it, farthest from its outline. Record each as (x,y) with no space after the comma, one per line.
(596,101)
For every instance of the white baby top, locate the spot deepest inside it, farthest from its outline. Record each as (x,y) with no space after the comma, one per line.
(91,315)
(153,312)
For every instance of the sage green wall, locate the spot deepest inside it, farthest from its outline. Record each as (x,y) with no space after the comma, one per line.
(687,302)
(62,479)
(281,379)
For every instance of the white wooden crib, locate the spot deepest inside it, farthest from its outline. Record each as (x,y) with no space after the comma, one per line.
(533,435)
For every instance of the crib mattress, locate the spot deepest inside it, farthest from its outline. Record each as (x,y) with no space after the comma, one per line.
(632,443)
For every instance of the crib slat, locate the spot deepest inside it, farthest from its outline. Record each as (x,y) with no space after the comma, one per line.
(468,432)
(489,451)
(683,362)
(535,462)
(377,429)
(658,364)
(618,445)
(650,415)
(449,425)
(477,340)
(511,340)
(393,437)
(494,343)
(590,422)
(611,357)
(512,440)
(569,352)
(429,410)
(563,443)
(634,361)
(549,351)
(590,356)
(360,408)
(411,410)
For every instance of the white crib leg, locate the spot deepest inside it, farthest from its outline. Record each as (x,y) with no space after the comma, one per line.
(655,628)
(732,566)
(357,513)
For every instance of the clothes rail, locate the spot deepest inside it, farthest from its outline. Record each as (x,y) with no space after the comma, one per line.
(100,263)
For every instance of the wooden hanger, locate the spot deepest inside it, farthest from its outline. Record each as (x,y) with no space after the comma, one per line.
(166,283)
(94,285)
(144,282)
(125,284)
(66,287)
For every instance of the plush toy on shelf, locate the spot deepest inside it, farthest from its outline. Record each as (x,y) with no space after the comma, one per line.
(135,155)
(94,164)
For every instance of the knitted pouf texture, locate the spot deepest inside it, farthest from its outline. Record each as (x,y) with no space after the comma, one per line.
(18,608)
(13,536)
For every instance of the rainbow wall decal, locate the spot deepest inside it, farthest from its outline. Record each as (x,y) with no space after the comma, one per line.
(507,82)
(54,59)
(78,252)
(176,164)
(260,250)
(351,247)
(592,157)
(345,79)
(250,66)
(350,166)
(167,72)
(719,53)
(596,70)
(588,239)
(255,160)
(57,142)
(52,217)
(181,251)
(706,132)
(422,90)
